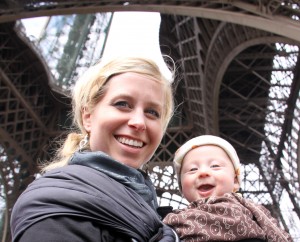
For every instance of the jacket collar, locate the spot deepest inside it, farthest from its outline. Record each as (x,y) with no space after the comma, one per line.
(128,176)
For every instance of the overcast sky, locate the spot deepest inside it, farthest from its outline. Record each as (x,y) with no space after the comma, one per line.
(135,33)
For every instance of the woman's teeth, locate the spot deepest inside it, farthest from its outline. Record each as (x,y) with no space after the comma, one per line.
(130,142)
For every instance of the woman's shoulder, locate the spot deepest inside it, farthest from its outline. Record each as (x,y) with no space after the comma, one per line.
(68,228)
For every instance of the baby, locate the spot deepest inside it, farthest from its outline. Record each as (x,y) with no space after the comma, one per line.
(209,175)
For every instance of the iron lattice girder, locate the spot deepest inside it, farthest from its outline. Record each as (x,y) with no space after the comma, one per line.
(280,17)
(28,110)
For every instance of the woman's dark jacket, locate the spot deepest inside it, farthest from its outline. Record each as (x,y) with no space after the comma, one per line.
(94,198)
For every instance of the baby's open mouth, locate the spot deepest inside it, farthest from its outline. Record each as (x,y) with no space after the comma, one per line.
(206,187)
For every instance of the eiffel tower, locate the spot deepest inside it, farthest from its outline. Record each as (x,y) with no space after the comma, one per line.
(238,77)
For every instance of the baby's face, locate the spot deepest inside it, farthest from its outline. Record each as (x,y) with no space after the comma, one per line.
(207,171)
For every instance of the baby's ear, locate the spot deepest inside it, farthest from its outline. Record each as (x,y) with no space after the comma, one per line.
(236,185)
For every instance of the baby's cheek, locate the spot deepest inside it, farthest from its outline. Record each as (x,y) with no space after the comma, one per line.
(188,189)
(186,182)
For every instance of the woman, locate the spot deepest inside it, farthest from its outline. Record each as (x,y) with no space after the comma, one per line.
(95,190)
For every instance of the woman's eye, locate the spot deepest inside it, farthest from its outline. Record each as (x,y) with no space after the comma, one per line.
(153,113)
(123,104)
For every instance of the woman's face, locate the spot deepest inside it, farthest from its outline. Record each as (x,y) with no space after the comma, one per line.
(126,123)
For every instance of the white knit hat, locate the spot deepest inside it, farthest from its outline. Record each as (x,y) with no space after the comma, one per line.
(206,140)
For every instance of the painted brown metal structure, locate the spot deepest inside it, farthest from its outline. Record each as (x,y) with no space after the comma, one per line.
(231,82)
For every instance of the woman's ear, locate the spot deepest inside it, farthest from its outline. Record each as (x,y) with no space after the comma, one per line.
(86,119)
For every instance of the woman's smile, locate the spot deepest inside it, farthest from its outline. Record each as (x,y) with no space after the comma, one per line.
(130,142)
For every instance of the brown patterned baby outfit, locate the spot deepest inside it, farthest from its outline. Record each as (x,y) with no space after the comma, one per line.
(227,218)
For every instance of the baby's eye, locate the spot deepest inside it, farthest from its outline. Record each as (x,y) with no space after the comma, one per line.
(153,113)
(189,170)
(215,165)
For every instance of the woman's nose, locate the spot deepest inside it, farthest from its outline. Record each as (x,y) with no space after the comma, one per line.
(137,121)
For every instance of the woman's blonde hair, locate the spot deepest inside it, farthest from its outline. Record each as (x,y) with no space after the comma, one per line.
(89,89)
